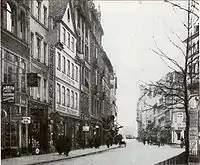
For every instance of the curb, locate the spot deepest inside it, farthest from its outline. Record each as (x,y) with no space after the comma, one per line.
(76,156)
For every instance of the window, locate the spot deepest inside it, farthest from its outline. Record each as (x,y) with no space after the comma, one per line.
(68,97)
(63,65)
(96,78)
(63,95)
(45,15)
(45,88)
(76,101)
(32,44)
(38,8)
(86,53)
(59,61)
(23,76)
(68,40)
(58,94)
(38,89)
(45,52)
(68,67)
(10,18)
(68,15)
(72,104)
(72,71)
(22,25)
(72,43)
(78,20)
(76,74)
(38,49)
(86,31)
(64,36)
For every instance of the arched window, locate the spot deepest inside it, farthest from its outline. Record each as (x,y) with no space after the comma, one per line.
(10,18)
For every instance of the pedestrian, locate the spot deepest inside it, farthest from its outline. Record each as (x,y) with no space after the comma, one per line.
(158,140)
(59,147)
(67,145)
(144,140)
(182,142)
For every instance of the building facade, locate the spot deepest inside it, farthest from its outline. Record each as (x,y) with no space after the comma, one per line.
(14,67)
(67,71)
(39,52)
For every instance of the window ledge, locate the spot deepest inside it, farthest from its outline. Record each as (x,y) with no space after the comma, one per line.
(40,22)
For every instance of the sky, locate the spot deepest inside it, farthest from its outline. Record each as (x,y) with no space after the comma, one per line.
(131,29)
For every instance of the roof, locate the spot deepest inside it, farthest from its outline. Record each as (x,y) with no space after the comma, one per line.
(57,8)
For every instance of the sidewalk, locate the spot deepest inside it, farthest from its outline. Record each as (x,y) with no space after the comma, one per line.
(45,158)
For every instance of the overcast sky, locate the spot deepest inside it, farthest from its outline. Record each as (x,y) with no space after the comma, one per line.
(129,28)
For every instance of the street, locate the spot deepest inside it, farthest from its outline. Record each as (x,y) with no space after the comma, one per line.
(135,153)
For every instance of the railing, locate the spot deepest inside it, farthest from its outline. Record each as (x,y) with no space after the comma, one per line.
(179,159)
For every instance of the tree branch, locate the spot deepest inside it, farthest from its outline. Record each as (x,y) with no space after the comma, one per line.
(176,45)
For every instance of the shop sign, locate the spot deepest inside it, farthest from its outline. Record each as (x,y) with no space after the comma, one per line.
(26,120)
(8,93)
(67,110)
(86,128)
(18,116)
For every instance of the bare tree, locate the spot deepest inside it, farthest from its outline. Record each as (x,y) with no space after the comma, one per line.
(167,88)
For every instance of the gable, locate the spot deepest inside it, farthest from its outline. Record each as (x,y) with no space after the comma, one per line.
(67,18)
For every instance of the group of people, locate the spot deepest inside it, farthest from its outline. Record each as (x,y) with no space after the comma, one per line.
(63,145)
(157,140)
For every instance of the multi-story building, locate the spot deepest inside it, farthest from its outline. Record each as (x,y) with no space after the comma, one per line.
(14,61)
(66,69)
(82,26)
(39,48)
(158,107)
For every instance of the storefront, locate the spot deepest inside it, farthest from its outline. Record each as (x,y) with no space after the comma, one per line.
(14,103)
(38,129)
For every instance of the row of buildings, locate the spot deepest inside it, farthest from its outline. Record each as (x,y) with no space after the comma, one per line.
(161,109)
(56,77)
